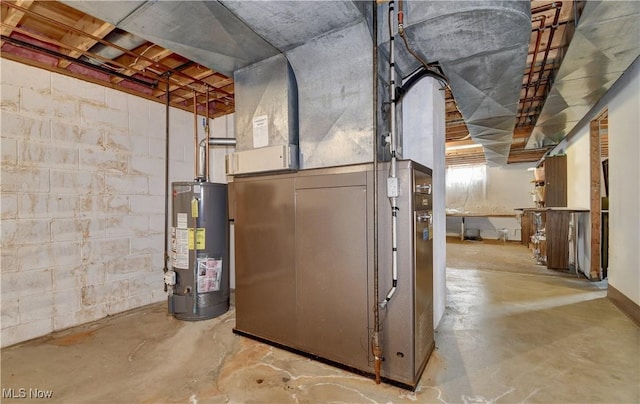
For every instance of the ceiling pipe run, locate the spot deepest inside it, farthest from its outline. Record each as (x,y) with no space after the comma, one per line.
(536,50)
(604,45)
(554,26)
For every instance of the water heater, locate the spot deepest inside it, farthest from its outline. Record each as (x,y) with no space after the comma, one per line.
(198,282)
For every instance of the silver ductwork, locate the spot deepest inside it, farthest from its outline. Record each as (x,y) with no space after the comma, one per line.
(289,24)
(329,47)
(335,90)
(481,46)
(203,31)
(267,92)
(605,43)
(266,118)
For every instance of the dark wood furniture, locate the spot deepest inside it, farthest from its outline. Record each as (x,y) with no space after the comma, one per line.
(556,224)
(555,181)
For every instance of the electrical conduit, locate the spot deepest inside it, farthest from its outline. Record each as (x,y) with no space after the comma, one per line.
(392,180)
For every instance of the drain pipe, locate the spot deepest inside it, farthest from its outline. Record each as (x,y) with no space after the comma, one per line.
(392,180)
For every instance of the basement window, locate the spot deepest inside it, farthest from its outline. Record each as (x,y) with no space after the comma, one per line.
(465,185)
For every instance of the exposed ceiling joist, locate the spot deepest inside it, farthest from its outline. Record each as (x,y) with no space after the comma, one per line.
(87,24)
(12,17)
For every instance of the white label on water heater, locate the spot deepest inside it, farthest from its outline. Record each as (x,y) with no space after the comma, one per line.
(209,274)
(182,221)
(181,259)
(260,131)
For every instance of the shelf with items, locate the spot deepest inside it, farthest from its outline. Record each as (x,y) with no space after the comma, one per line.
(550,182)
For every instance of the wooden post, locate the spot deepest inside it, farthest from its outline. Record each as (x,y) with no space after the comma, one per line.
(596,208)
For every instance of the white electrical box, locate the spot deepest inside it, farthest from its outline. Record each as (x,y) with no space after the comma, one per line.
(170,278)
(393,187)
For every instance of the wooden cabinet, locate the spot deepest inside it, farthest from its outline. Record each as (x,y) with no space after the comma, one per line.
(557,232)
(556,223)
(555,181)
(528,225)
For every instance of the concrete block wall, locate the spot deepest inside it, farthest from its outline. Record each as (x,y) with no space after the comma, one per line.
(82,185)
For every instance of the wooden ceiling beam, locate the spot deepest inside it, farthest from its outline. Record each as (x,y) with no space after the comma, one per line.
(457,143)
(465,160)
(153,52)
(61,56)
(91,26)
(12,17)
(107,43)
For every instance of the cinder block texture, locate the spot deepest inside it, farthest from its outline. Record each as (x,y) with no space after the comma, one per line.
(82,187)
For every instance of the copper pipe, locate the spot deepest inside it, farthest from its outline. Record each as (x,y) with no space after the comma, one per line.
(558,5)
(376,348)
(195,136)
(41,50)
(542,19)
(543,80)
(546,7)
(376,267)
(206,133)
(59,44)
(554,25)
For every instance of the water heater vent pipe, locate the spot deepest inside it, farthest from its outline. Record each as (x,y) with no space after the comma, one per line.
(203,160)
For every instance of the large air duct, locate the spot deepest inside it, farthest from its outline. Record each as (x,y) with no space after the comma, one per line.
(481,46)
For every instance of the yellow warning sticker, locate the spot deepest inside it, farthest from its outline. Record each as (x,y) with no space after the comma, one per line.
(199,238)
(194,207)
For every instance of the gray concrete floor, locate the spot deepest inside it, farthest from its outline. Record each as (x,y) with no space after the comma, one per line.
(509,335)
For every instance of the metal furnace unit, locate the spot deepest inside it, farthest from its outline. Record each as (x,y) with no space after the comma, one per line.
(304,266)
